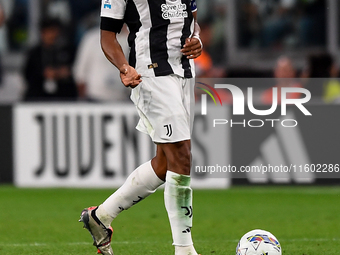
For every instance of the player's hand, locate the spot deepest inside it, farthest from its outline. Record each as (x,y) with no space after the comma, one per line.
(192,48)
(129,76)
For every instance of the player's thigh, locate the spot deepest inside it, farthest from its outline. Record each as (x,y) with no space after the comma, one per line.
(164,107)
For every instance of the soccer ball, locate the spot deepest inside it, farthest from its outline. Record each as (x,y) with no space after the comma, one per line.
(258,242)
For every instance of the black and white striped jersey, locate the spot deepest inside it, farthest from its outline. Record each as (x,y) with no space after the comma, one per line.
(158,29)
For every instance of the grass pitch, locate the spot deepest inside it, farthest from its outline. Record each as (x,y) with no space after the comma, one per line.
(45,221)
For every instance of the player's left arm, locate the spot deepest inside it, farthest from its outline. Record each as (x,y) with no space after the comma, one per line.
(193,46)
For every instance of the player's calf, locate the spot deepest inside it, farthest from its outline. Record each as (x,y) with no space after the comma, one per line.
(178,203)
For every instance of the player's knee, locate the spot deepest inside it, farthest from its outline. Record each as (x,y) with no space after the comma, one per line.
(180,161)
(159,165)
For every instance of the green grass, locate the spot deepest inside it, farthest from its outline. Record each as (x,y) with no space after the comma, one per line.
(45,221)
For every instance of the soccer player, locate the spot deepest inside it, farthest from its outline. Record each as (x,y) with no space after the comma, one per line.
(164,40)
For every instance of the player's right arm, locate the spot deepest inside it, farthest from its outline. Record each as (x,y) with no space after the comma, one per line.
(114,53)
(112,14)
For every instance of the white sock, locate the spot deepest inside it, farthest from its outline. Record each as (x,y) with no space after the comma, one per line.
(185,250)
(141,183)
(178,203)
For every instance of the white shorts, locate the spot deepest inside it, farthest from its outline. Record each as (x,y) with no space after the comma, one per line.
(164,105)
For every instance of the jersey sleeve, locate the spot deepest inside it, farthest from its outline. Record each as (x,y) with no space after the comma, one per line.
(112,15)
(193,6)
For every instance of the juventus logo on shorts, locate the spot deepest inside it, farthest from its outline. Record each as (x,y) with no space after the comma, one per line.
(168,130)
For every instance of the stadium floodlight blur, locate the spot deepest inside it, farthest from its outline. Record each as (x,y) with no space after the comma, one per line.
(263,30)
